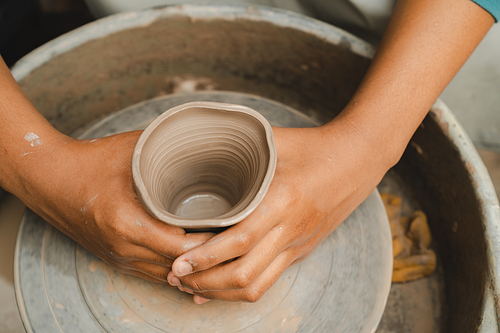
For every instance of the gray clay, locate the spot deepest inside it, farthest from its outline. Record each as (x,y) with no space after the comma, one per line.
(204,164)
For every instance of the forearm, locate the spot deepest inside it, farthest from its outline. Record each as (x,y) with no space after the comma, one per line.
(425,44)
(26,136)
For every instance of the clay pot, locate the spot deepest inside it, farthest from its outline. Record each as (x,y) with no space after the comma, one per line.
(204,164)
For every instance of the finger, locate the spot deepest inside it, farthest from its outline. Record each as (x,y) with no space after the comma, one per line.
(141,275)
(165,239)
(186,290)
(129,252)
(259,287)
(200,300)
(240,273)
(147,271)
(155,271)
(230,244)
(152,257)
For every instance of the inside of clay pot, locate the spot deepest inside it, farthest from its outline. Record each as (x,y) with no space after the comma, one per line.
(203,163)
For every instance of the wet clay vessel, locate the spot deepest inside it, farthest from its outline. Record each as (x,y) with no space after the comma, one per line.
(204,164)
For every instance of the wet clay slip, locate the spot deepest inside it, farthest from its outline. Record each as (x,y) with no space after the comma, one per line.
(204,164)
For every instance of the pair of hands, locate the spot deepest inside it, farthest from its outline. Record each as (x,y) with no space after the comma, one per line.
(322,175)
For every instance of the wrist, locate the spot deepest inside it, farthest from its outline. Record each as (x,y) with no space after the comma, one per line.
(27,157)
(378,146)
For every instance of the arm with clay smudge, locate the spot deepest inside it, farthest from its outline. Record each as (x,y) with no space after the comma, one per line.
(324,173)
(84,188)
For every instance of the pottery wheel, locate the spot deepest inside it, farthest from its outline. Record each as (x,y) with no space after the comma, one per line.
(342,287)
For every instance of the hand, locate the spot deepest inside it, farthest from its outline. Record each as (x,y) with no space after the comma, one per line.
(322,175)
(85,189)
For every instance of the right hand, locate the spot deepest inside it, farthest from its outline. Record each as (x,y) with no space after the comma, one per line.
(85,189)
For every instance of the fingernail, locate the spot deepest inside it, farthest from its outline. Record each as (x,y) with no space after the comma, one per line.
(185,290)
(200,300)
(183,268)
(174,281)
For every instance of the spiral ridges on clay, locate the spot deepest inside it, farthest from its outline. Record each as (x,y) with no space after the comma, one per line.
(204,163)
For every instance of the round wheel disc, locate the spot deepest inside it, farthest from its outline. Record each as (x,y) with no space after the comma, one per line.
(341,287)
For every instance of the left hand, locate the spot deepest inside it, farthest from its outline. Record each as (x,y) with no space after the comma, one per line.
(322,175)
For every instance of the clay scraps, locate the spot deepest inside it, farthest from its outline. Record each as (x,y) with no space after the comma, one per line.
(411,238)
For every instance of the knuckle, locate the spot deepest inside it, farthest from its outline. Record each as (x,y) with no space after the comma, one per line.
(117,227)
(118,253)
(244,240)
(252,295)
(242,278)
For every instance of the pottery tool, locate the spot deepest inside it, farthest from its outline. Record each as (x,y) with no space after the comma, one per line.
(342,287)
